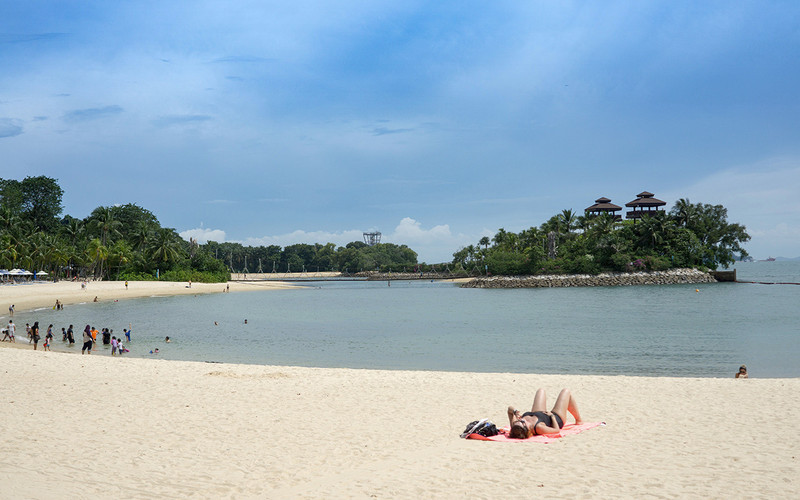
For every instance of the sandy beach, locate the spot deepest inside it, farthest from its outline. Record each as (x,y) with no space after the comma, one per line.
(100,427)
(45,294)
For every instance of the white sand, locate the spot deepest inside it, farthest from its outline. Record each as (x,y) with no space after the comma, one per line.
(77,426)
(100,427)
(33,295)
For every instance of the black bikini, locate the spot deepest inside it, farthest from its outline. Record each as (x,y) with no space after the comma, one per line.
(543,418)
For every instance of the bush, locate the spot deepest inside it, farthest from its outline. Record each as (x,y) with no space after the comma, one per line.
(584,264)
(506,263)
(657,263)
(555,266)
(134,276)
(194,275)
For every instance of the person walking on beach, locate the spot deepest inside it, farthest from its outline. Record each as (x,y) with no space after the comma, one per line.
(87,340)
(11,310)
(28,331)
(126,284)
(539,420)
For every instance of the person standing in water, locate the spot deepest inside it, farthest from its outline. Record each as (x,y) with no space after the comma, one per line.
(35,334)
(87,340)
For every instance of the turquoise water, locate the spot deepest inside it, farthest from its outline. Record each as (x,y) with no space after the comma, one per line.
(647,330)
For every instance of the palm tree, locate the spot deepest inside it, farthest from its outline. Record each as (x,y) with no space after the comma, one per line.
(119,254)
(485,242)
(654,228)
(567,220)
(165,247)
(142,234)
(72,230)
(8,251)
(500,238)
(684,213)
(98,253)
(106,224)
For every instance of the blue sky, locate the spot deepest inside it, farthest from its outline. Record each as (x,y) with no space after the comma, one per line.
(435,123)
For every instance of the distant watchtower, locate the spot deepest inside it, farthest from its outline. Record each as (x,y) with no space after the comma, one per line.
(372,239)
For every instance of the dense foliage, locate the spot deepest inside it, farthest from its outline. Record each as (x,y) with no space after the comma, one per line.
(128,242)
(690,235)
(352,258)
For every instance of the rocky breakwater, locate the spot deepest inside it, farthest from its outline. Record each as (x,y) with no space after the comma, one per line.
(671,277)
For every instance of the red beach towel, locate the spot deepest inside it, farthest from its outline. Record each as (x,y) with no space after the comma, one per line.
(568,430)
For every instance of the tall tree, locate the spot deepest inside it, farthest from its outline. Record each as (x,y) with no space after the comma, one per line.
(41,203)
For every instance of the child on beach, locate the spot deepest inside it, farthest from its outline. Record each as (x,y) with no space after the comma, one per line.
(128,332)
(46,343)
(113,346)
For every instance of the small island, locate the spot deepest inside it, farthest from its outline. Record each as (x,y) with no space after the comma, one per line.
(599,248)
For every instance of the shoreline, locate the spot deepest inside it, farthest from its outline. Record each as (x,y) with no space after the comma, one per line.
(30,296)
(182,428)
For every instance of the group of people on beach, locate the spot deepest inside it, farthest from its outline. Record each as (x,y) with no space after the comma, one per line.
(90,335)
(107,337)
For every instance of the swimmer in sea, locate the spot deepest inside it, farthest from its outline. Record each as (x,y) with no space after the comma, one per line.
(167,340)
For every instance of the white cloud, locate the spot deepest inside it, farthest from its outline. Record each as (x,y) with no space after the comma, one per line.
(763,197)
(433,245)
(299,236)
(203,235)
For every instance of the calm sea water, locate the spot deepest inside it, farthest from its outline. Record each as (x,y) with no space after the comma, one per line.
(645,330)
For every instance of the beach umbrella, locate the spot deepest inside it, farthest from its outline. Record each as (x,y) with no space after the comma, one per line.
(42,273)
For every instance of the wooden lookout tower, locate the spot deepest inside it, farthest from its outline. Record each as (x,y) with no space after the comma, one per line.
(604,205)
(643,204)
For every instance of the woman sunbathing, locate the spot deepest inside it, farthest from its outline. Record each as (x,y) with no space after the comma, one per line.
(539,420)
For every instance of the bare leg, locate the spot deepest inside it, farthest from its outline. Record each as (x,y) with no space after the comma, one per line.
(565,402)
(539,401)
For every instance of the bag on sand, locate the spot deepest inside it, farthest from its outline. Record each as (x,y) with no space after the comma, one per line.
(483,427)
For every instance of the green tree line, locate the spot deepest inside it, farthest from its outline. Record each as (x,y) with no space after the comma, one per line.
(128,242)
(689,235)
